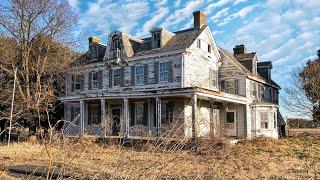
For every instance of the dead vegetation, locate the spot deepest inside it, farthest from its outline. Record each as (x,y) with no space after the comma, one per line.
(295,157)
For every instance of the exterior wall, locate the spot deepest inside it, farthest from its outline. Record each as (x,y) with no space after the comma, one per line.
(272,130)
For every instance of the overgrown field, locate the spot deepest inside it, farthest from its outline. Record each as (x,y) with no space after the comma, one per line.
(293,157)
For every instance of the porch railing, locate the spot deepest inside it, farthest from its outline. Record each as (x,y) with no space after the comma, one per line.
(71,124)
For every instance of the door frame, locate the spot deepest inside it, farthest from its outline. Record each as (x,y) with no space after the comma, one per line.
(235,123)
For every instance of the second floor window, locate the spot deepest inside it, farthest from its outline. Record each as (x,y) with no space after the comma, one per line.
(231,86)
(164,71)
(213,77)
(116,77)
(77,82)
(95,80)
(139,75)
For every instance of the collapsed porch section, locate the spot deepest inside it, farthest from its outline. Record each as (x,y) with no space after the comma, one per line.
(183,114)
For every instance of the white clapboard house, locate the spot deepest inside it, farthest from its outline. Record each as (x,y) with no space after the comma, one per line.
(171,84)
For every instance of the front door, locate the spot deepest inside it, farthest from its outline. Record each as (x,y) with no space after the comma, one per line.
(116,116)
(231,123)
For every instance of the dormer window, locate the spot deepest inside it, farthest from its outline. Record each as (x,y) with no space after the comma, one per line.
(156,39)
(116,43)
(209,48)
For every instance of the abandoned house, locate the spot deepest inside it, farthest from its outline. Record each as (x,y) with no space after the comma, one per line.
(171,84)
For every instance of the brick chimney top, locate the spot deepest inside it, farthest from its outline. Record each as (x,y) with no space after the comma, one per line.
(239,49)
(94,40)
(199,19)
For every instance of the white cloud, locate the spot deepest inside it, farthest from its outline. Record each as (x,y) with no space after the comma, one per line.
(213,6)
(236,2)
(240,14)
(220,14)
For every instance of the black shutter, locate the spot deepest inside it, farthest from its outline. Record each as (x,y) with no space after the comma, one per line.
(133,75)
(170,73)
(100,76)
(145,114)
(222,87)
(146,73)
(110,78)
(156,72)
(132,114)
(122,77)
(236,86)
(82,82)
(90,80)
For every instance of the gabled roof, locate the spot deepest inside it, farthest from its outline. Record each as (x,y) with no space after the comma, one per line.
(248,73)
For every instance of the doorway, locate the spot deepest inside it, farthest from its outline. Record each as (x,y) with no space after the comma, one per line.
(116,120)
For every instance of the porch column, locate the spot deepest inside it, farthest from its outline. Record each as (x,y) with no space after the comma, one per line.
(158,116)
(103,118)
(194,115)
(81,123)
(149,117)
(248,121)
(126,117)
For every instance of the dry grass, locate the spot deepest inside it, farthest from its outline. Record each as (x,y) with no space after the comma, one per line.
(295,157)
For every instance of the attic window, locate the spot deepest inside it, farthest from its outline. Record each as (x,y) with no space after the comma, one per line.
(199,43)
(156,39)
(209,48)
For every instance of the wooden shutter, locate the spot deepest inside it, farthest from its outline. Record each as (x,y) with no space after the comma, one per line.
(90,80)
(145,73)
(236,86)
(156,72)
(222,87)
(100,76)
(110,78)
(132,114)
(82,82)
(145,114)
(122,77)
(133,75)
(170,72)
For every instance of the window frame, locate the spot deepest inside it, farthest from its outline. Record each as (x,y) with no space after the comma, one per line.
(136,113)
(156,39)
(211,78)
(94,81)
(199,43)
(139,75)
(264,123)
(226,88)
(77,81)
(234,116)
(164,72)
(114,78)
(209,48)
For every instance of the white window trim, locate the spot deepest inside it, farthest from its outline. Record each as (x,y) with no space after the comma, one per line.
(136,79)
(159,80)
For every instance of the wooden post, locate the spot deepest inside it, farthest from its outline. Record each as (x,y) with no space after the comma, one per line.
(194,115)
(158,116)
(248,121)
(103,118)
(149,117)
(81,123)
(126,117)
(12,101)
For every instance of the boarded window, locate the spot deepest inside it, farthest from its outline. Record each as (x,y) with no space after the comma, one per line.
(264,120)
(139,75)
(116,77)
(164,71)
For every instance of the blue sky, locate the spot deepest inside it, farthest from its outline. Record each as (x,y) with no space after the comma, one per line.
(286,32)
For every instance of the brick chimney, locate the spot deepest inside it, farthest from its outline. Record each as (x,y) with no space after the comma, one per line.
(239,49)
(199,19)
(94,40)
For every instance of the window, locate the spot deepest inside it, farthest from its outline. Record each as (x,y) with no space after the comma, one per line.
(230,117)
(164,71)
(167,112)
(264,120)
(209,48)
(213,77)
(94,80)
(230,86)
(77,82)
(139,113)
(139,75)
(116,77)
(116,43)
(156,39)
(199,43)
(253,89)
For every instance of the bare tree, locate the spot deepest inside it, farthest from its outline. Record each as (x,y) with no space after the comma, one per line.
(303,96)
(36,36)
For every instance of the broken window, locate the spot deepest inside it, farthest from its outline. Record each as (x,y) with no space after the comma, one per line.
(156,39)
(264,120)
(116,43)
(164,71)
(116,77)
(139,75)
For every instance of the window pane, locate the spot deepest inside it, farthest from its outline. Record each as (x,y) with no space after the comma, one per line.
(116,77)
(264,120)
(164,70)
(139,113)
(230,117)
(139,75)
